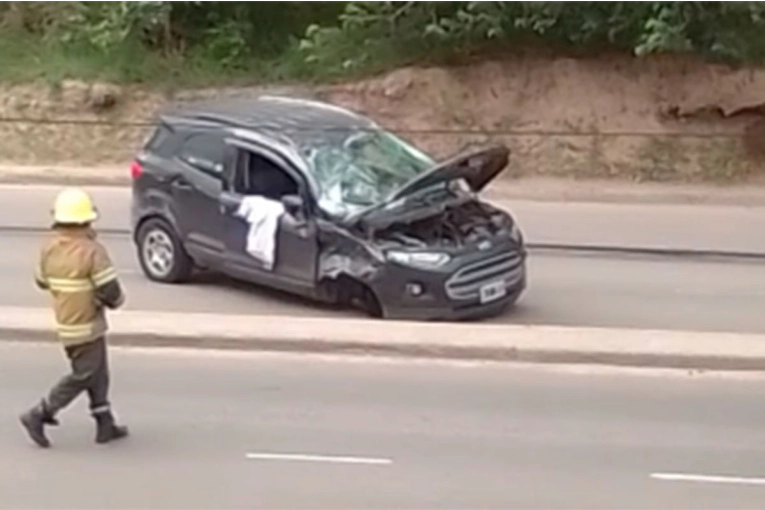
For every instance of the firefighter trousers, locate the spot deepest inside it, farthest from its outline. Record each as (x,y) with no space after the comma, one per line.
(90,373)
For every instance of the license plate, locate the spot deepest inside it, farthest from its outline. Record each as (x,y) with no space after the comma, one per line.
(493,291)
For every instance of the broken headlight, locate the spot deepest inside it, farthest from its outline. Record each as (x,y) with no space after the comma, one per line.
(419,259)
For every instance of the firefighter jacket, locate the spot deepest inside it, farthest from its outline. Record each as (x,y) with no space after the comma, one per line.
(77,271)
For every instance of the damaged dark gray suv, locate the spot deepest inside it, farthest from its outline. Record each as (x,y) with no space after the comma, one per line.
(318,201)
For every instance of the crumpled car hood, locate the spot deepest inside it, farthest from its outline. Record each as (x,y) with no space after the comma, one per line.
(477,167)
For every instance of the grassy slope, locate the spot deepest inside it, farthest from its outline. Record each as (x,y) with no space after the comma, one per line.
(25,59)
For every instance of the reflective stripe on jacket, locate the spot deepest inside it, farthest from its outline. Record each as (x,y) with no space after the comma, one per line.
(78,273)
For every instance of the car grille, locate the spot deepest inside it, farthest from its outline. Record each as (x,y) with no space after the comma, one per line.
(467,281)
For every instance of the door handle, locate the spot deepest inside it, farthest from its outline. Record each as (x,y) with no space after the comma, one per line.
(181,185)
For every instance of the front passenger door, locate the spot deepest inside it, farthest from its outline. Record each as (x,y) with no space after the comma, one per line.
(296,250)
(297,245)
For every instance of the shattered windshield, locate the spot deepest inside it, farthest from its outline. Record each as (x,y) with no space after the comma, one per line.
(361,169)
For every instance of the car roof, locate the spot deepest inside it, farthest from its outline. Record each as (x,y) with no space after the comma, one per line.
(277,117)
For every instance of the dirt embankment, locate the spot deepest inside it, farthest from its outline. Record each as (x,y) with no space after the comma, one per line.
(657,119)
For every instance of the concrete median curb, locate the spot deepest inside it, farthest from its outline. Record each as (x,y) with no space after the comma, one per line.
(467,341)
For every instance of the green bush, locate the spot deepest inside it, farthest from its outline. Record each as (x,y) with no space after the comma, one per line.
(256,41)
(729,31)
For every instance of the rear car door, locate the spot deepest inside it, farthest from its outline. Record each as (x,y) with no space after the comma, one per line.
(262,173)
(196,193)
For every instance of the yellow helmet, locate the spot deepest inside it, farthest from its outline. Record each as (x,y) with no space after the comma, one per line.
(74,206)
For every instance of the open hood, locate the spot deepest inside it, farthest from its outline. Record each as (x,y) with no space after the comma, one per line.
(478,167)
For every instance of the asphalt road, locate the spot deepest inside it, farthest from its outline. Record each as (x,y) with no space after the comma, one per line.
(409,435)
(569,290)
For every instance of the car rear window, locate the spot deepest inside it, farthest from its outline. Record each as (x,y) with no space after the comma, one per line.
(159,141)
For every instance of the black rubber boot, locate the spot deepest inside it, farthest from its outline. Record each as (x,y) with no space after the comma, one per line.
(107,430)
(34,422)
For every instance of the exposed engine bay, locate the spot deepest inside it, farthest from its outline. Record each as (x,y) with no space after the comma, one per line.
(457,226)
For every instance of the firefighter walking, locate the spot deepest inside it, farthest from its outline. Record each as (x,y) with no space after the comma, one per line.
(77,272)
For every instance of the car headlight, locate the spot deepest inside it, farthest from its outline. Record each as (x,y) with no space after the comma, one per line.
(420,259)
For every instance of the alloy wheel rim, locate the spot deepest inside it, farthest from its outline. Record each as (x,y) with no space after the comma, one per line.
(158,253)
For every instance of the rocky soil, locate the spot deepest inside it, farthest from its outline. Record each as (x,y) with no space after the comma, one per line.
(659,119)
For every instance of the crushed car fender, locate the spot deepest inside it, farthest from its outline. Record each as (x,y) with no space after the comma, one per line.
(342,254)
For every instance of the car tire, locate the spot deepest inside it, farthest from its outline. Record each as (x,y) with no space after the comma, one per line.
(161,254)
(352,293)
(370,303)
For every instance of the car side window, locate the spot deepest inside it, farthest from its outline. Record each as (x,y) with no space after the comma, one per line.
(261,176)
(204,152)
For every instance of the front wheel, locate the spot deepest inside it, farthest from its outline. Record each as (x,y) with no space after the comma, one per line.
(351,292)
(161,254)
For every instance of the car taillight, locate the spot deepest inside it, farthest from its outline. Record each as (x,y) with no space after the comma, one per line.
(135,170)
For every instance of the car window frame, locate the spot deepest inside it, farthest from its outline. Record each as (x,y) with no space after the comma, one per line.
(283,163)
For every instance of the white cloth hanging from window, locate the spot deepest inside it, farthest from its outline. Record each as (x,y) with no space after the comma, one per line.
(262,214)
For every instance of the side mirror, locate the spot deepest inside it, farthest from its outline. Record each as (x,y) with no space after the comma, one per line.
(293,204)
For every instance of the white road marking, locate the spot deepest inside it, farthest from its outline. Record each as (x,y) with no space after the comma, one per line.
(318,458)
(687,477)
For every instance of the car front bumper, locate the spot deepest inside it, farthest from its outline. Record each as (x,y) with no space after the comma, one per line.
(440,305)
